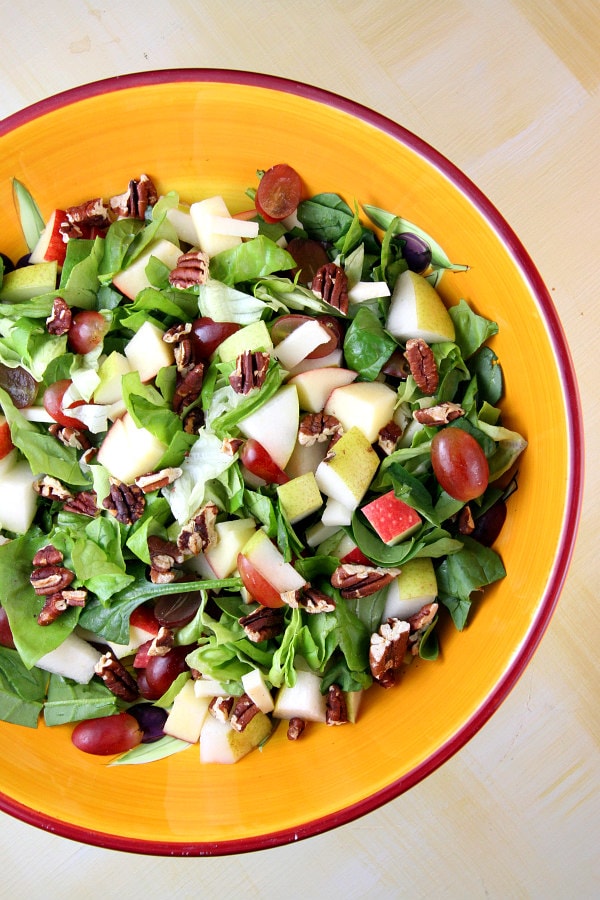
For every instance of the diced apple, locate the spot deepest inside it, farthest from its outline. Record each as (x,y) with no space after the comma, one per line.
(232,535)
(18,500)
(300,342)
(7,462)
(208,687)
(347,473)
(368,405)
(275,424)
(411,590)
(147,353)
(318,533)
(306,458)
(251,337)
(268,559)
(111,373)
(187,715)
(209,240)
(29,281)
(332,360)
(220,743)
(128,451)
(74,658)
(368,290)
(6,444)
(303,699)
(300,497)
(255,686)
(315,386)
(51,245)
(391,518)
(347,552)
(133,279)
(228,226)
(181,220)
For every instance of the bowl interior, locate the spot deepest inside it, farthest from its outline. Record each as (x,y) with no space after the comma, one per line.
(205,133)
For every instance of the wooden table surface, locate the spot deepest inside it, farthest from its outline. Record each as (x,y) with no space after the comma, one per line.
(510,92)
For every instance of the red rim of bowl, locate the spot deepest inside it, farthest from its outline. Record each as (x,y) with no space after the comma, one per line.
(572,508)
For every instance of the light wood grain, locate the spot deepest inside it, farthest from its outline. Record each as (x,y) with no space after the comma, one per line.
(509,92)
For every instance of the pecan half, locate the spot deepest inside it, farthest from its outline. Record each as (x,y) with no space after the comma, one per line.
(48,556)
(84,503)
(56,604)
(69,436)
(188,387)
(440,414)
(92,212)
(388,437)
(296,726)
(250,371)
(336,710)
(386,651)
(331,285)
(154,481)
(191,269)
(126,502)
(423,367)
(116,677)
(220,708)
(47,580)
(318,427)
(199,533)
(133,203)
(354,581)
(243,712)
(59,320)
(263,623)
(51,488)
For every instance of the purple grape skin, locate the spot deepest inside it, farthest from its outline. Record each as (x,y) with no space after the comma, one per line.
(151,720)
(8,263)
(415,251)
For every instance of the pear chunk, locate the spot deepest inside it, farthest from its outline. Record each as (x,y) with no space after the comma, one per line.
(417,311)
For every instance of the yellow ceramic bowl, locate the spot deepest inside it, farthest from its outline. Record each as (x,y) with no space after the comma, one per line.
(204,132)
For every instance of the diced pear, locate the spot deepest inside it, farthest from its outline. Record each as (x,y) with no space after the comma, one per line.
(315,386)
(207,238)
(181,220)
(268,559)
(18,500)
(232,535)
(319,532)
(7,462)
(255,686)
(208,687)
(300,497)
(147,353)
(336,514)
(305,458)
(347,473)
(29,281)
(74,658)
(411,590)
(299,343)
(220,743)
(368,405)
(275,424)
(128,451)
(187,715)
(133,279)
(303,699)
(251,337)
(417,311)
(111,373)
(333,359)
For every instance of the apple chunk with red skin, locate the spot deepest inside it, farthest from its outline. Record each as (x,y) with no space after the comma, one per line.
(392,518)
(51,245)
(6,444)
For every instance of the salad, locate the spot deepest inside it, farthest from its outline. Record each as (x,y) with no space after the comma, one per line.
(247,464)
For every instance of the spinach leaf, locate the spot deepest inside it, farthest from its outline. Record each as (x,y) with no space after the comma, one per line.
(484,365)
(71,702)
(367,346)
(325,217)
(22,690)
(251,259)
(470,569)
(471,330)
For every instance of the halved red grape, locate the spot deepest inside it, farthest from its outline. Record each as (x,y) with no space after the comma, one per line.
(397,366)
(459,464)
(19,385)
(176,610)
(489,524)
(257,585)
(87,331)
(258,461)
(206,335)
(108,735)
(279,193)
(151,720)
(285,325)
(162,671)
(53,400)
(6,635)
(144,688)
(309,256)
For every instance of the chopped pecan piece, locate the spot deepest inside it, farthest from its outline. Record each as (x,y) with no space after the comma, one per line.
(51,488)
(354,581)
(164,555)
(59,320)
(388,437)
(386,652)
(193,420)
(199,533)
(296,726)
(191,269)
(263,623)
(69,436)
(419,623)
(84,503)
(231,446)
(47,580)
(440,414)
(336,711)
(331,285)
(133,203)
(162,643)
(243,712)
(91,213)
(125,501)
(188,388)
(220,708)
(310,599)
(183,353)
(177,333)
(48,556)
(116,677)
(318,427)
(466,523)
(154,481)
(250,371)
(423,367)
(56,604)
